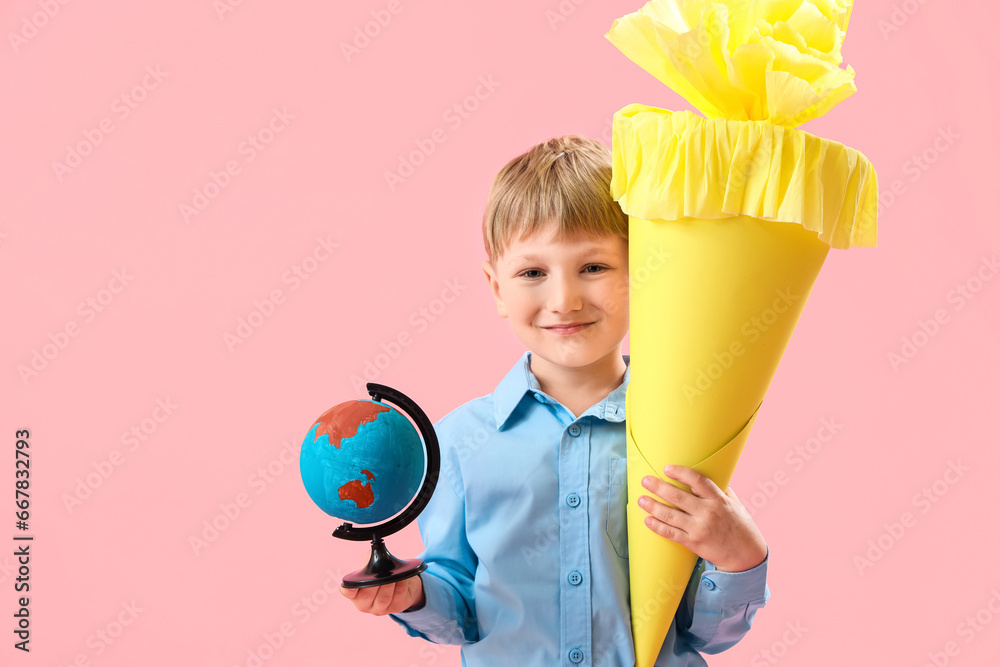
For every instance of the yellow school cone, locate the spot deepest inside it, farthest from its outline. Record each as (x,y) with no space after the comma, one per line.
(730,220)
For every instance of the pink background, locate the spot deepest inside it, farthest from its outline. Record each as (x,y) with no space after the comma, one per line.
(183,285)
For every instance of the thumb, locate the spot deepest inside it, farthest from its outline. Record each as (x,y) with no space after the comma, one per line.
(415,590)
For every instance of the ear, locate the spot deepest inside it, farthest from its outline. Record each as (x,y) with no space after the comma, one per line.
(491,278)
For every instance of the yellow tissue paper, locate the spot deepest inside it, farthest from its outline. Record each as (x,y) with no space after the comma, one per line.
(776,60)
(744,207)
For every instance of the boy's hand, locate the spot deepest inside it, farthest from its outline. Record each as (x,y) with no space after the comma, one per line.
(714,525)
(389,598)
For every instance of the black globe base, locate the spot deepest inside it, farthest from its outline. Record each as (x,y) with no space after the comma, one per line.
(383,568)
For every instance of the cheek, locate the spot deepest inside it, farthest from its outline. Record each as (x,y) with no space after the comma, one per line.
(615,300)
(520,305)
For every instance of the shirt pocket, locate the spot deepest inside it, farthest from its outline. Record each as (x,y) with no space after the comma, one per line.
(616,526)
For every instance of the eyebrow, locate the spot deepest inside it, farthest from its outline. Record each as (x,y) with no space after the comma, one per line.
(594,249)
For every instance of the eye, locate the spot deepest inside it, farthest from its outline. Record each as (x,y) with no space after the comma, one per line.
(530,274)
(594,268)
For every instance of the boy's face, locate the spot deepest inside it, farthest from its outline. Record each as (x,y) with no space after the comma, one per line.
(567,300)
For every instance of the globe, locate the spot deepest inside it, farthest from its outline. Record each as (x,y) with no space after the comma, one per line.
(362,461)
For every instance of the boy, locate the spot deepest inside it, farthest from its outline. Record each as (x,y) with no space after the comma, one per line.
(525,534)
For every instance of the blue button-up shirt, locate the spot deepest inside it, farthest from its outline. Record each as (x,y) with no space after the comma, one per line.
(526,543)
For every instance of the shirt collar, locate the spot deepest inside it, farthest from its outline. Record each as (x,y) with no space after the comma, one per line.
(521,382)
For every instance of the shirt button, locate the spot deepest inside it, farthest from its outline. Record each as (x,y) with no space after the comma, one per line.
(576,655)
(708,584)
(573,500)
(575,578)
(574,430)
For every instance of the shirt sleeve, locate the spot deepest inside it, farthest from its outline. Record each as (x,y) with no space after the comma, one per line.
(449,612)
(719,607)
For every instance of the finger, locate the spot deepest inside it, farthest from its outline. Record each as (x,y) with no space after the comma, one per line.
(416,590)
(399,596)
(668,531)
(670,516)
(402,597)
(349,593)
(701,486)
(669,493)
(364,597)
(383,598)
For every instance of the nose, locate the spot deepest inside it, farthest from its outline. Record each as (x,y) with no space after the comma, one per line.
(565,294)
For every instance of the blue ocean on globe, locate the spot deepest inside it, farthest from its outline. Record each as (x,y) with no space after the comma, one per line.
(362,461)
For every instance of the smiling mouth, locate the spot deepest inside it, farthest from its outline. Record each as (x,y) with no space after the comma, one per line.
(568,328)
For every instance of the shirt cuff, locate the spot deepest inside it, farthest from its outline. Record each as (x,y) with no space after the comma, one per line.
(734,587)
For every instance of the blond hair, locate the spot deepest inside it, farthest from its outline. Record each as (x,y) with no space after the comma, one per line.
(566,180)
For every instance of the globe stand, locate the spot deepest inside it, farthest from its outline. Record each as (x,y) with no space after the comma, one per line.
(383,567)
